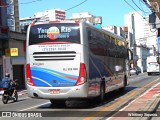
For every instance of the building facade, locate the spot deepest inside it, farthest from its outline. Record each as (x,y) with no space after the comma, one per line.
(15,64)
(11,41)
(139,35)
(150,37)
(48,15)
(13,15)
(154,20)
(88,17)
(3,32)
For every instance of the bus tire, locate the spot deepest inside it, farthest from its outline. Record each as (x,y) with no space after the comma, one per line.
(122,89)
(57,102)
(149,73)
(102,93)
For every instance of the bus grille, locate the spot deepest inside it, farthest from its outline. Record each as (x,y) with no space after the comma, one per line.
(50,56)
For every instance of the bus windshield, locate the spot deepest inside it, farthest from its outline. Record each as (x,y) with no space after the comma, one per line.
(54,33)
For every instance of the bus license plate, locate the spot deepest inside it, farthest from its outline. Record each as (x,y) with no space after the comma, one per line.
(55,91)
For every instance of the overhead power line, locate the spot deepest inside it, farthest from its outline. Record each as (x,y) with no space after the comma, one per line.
(138,13)
(8,4)
(138,7)
(135,10)
(65,10)
(30,2)
(132,7)
(141,2)
(76,5)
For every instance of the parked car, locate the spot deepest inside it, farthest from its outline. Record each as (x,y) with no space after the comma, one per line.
(133,71)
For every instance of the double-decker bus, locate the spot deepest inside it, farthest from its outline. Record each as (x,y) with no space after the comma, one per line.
(74,60)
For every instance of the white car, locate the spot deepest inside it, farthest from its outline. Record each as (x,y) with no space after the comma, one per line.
(133,71)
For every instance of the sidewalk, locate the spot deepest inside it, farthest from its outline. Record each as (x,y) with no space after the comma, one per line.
(142,108)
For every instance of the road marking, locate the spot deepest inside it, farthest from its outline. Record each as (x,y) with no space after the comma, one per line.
(118,102)
(34,106)
(133,77)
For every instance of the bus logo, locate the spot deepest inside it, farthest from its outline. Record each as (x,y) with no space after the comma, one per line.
(53,33)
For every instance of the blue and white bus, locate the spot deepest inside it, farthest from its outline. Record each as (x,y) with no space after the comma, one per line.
(74,60)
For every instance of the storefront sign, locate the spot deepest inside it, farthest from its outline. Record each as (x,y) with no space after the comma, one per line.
(11,52)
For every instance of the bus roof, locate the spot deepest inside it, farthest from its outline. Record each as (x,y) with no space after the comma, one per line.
(106,31)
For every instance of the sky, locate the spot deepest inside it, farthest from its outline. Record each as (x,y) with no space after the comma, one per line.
(111,11)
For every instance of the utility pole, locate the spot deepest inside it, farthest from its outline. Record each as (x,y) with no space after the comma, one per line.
(133,45)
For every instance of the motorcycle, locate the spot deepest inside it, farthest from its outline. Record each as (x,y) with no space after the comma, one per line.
(7,95)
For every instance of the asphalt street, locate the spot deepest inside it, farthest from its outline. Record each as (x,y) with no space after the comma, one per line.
(80,109)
